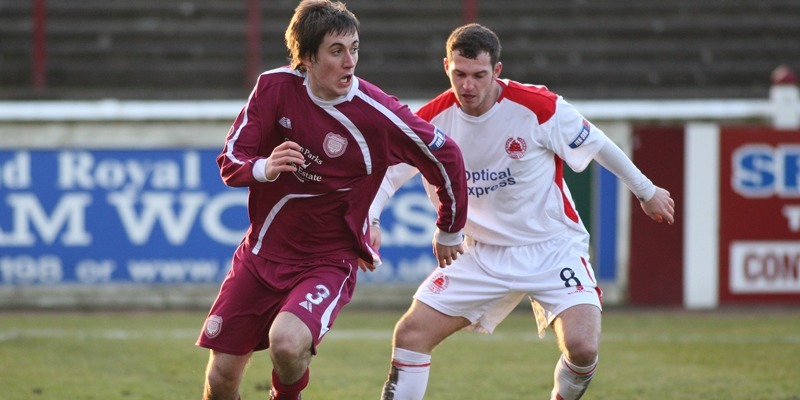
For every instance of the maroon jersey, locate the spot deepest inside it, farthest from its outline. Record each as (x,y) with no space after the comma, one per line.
(348,143)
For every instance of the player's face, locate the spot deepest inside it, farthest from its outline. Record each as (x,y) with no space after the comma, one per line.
(330,73)
(473,81)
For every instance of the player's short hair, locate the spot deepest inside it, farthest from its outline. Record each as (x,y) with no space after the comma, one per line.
(473,39)
(311,22)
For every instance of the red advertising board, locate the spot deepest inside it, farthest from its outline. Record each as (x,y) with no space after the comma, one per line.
(759,216)
(656,250)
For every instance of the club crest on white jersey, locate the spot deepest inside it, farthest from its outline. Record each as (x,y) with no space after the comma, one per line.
(516,147)
(334,145)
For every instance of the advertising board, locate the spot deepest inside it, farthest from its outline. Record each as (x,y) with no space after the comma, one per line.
(759,248)
(160,216)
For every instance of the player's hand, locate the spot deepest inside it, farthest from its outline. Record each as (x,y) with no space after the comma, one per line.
(365,266)
(375,237)
(284,158)
(446,254)
(660,207)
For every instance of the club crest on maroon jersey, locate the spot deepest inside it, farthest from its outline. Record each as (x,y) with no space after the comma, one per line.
(439,282)
(334,145)
(213,326)
(516,147)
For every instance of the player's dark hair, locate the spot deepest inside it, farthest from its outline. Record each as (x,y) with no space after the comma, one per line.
(311,22)
(473,39)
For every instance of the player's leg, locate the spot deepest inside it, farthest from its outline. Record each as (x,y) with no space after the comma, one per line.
(417,333)
(236,325)
(223,376)
(577,331)
(290,350)
(309,311)
(448,300)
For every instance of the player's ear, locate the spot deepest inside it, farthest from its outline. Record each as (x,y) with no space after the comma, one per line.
(446,66)
(308,60)
(497,68)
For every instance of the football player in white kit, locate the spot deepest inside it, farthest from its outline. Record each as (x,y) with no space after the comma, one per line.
(524,236)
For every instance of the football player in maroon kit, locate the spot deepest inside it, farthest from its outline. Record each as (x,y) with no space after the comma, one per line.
(312,145)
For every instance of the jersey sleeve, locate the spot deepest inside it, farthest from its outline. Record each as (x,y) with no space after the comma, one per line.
(240,154)
(571,136)
(615,160)
(396,177)
(440,162)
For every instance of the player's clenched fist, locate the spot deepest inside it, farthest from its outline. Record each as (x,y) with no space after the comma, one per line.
(284,158)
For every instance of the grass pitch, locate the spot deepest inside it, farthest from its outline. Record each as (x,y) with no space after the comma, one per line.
(645,354)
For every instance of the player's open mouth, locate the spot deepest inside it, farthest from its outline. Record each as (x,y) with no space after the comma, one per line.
(346,80)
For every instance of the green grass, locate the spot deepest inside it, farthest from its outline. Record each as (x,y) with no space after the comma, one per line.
(644,355)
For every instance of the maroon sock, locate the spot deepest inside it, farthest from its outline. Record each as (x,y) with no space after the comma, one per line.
(289,392)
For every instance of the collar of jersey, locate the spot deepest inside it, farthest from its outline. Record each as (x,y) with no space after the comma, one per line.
(330,103)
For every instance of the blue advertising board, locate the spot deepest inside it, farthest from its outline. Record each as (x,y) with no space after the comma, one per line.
(80,216)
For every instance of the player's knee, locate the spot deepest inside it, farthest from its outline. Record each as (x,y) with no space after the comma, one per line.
(408,335)
(402,333)
(220,383)
(582,353)
(288,346)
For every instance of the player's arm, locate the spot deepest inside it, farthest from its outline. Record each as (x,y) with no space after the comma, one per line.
(396,176)
(655,201)
(440,162)
(240,162)
(446,174)
(578,142)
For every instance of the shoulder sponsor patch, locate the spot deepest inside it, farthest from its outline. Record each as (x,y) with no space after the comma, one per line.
(439,139)
(582,135)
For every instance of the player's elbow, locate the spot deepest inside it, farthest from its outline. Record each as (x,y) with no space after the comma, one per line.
(232,180)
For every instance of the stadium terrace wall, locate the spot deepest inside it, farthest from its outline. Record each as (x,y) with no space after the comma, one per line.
(118,204)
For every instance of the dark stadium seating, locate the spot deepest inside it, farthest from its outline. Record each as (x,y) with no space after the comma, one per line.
(197,49)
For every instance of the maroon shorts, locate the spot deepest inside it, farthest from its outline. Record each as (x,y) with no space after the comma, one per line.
(256,290)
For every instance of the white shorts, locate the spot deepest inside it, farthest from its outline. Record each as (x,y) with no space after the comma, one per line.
(487,282)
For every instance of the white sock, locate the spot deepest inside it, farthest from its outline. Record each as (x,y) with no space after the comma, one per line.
(408,377)
(571,381)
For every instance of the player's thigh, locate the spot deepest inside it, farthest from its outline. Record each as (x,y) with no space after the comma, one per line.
(422,328)
(578,330)
(463,289)
(289,335)
(319,296)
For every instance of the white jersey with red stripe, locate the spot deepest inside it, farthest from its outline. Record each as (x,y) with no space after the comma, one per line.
(514,156)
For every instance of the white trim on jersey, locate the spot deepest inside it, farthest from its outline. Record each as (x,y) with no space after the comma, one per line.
(422,145)
(350,126)
(232,141)
(235,136)
(273,213)
(326,316)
